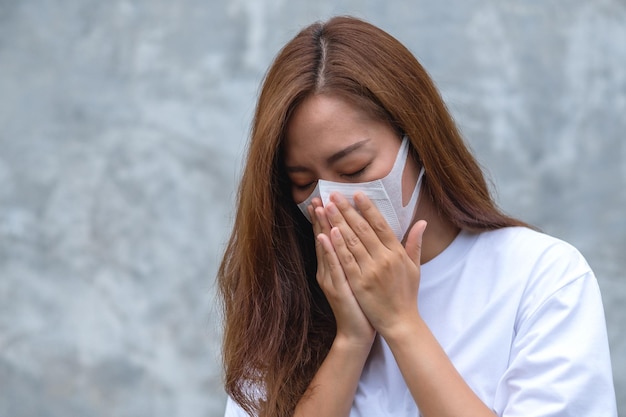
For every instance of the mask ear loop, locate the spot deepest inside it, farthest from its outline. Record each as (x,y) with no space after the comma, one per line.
(417,189)
(412,153)
(400,163)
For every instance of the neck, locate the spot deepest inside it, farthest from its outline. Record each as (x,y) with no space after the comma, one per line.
(440,231)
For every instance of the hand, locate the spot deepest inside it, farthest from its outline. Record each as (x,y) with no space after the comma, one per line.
(352,325)
(383,275)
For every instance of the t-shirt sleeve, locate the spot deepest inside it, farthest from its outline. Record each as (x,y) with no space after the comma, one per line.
(234,410)
(559,363)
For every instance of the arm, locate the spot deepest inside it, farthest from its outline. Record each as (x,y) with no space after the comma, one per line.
(332,390)
(436,386)
(384,277)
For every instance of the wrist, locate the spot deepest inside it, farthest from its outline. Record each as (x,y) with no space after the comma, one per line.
(405,330)
(353,345)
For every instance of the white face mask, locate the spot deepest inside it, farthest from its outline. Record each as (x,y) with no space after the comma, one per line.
(385,193)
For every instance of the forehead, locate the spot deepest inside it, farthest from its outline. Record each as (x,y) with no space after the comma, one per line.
(323,124)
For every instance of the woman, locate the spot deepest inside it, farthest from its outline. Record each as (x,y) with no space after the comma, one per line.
(340,300)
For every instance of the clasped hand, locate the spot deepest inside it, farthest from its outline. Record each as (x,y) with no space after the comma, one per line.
(369,278)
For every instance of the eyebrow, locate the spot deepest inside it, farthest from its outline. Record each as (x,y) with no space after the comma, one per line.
(334,157)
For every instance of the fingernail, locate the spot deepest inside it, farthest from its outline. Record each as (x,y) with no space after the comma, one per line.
(337,197)
(318,213)
(332,208)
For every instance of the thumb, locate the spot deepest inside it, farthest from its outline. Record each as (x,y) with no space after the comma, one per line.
(413,244)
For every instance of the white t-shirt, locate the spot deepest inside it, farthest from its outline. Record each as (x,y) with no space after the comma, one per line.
(520,316)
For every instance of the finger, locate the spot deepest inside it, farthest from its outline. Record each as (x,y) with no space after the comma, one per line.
(316,202)
(311,210)
(414,241)
(314,220)
(344,254)
(335,269)
(324,221)
(349,237)
(378,225)
(318,229)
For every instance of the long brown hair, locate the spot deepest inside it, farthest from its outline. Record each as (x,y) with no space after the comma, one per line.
(278,325)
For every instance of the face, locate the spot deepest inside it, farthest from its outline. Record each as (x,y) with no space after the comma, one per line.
(329,138)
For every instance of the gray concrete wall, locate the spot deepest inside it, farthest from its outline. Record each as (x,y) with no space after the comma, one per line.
(122,127)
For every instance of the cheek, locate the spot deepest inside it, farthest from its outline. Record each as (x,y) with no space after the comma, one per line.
(300,195)
(383,166)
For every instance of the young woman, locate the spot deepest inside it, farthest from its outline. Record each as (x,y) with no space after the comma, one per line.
(369,272)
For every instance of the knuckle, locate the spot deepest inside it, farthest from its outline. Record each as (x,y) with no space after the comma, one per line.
(343,204)
(321,279)
(352,240)
(335,267)
(367,285)
(348,258)
(386,263)
(367,208)
(379,225)
(361,226)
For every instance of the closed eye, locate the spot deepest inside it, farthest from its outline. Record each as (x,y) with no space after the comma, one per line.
(303,187)
(355,174)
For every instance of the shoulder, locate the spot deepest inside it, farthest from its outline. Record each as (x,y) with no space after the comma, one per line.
(523,238)
(534,253)
(554,295)
(549,273)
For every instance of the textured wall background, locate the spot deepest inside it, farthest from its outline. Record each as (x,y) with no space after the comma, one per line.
(122,128)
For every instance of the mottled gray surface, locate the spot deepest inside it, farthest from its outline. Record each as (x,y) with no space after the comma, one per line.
(122,127)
